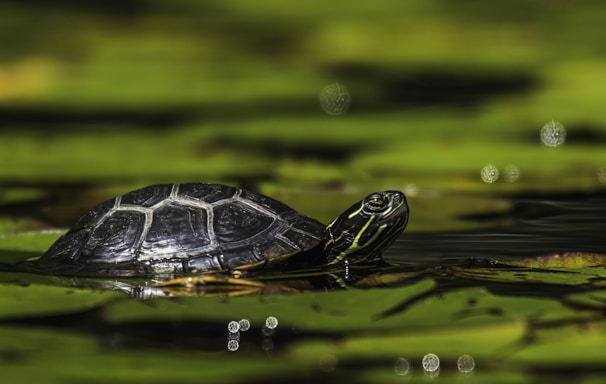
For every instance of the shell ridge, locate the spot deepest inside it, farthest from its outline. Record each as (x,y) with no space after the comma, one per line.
(320,237)
(99,221)
(210,230)
(202,205)
(259,208)
(287,241)
(147,222)
(174,190)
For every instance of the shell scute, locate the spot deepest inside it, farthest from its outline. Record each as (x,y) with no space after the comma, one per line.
(115,239)
(147,197)
(176,228)
(237,221)
(208,193)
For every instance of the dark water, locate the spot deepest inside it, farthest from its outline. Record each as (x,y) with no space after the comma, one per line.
(534,226)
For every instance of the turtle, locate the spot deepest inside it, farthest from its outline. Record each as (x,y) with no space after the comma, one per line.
(196,228)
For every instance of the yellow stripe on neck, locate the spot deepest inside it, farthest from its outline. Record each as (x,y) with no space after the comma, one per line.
(355,244)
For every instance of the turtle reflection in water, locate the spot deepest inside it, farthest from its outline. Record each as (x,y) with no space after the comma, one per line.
(187,231)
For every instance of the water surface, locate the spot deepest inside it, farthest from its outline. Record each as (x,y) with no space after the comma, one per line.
(448,292)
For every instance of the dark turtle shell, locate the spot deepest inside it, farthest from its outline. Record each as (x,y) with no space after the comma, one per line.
(181,229)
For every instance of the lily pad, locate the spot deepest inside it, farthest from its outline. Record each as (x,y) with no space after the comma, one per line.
(581,276)
(18,301)
(44,355)
(34,241)
(562,260)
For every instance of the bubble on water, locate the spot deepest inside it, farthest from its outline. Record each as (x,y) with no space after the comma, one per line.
(334,99)
(465,364)
(233,326)
(489,174)
(233,344)
(233,338)
(553,134)
(327,363)
(431,362)
(271,322)
(602,174)
(401,366)
(511,174)
(244,325)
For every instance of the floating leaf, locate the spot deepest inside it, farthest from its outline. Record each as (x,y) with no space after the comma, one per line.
(595,300)
(562,260)
(34,241)
(593,276)
(18,301)
(58,356)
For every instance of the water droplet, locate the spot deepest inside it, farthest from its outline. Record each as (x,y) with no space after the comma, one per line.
(465,363)
(233,326)
(512,173)
(431,362)
(402,366)
(553,134)
(271,322)
(489,174)
(244,325)
(602,174)
(267,331)
(334,99)
(233,345)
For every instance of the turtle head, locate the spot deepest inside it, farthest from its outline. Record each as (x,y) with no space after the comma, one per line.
(363,231)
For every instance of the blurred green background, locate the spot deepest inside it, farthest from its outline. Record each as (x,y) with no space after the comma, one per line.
(126,93)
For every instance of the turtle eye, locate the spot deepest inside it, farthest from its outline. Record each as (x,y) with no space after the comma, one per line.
(376,203)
